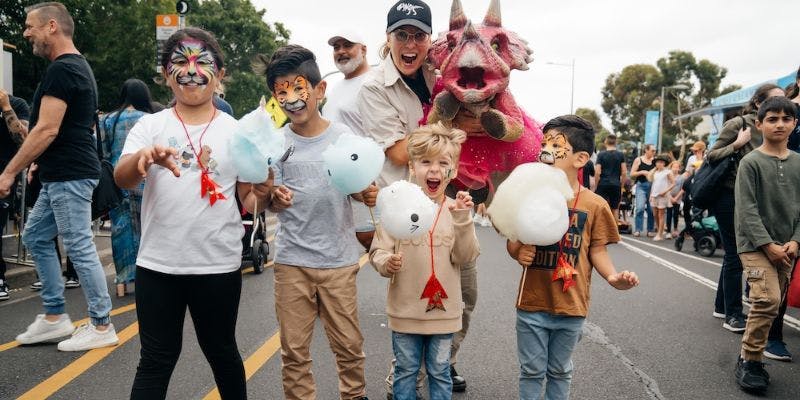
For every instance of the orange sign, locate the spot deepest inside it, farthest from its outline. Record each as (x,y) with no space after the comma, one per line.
(166,20)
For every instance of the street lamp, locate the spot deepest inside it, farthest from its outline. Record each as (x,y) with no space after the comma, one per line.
(661,110)
(572,85)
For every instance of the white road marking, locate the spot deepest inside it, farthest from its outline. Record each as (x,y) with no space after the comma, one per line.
(705,260)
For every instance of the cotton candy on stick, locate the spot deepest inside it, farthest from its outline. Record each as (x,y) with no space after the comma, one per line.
(353,162)
(256,146)
(406,212)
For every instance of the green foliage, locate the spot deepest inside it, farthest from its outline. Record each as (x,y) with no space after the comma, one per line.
(118,39)
(594,118)
(628,94)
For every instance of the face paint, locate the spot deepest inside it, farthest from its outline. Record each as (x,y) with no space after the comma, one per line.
(292,96)
(554,147)
(191,63)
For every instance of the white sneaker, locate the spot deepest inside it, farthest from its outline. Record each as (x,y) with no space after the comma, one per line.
(42,330)
(87,337)
(486,222)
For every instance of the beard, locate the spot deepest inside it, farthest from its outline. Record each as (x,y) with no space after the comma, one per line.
(352,64)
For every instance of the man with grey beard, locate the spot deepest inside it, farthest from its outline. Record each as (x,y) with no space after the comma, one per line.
(350,57)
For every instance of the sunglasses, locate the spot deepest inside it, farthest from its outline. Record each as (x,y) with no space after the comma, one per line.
(404,36)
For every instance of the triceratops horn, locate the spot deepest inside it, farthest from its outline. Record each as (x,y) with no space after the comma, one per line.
(470,32)
(492,17)
(457,17)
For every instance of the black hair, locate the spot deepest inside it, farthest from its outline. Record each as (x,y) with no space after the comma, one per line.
(611,139)
(289,59)
(195,33)
(776,104)
(792,90)
(135,93)
(578,131)
(758,97)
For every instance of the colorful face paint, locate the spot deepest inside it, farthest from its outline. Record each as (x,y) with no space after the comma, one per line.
(191,63)
(554,147)
(292,96)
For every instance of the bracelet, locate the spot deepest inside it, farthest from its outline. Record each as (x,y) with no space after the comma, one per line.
(8,112)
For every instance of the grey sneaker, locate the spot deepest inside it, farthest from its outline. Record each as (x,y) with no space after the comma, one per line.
(87,337)
(3,290)
(42,330)
(735,324)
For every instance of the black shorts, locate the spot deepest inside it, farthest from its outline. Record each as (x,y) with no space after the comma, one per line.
(611,193)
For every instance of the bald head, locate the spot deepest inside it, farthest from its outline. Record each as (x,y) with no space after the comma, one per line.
(54,11)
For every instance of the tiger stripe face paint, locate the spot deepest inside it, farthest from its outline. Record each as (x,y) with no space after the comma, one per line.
(192,64)
(292,95)
(554,147)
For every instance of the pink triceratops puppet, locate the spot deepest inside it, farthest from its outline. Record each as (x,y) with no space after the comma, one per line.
(475,63)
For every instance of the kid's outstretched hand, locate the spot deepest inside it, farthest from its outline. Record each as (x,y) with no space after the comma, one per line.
(623,280)
(281,198)
(395,263)
(526,254)
(163,156)
(463,202)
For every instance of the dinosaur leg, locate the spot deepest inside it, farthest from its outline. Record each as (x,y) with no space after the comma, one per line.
(500,127)
(446,106)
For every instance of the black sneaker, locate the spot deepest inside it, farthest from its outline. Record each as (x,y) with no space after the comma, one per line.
(735,324)
(751,375)
(3,290)
(36,286)
(459,383)
(72,283)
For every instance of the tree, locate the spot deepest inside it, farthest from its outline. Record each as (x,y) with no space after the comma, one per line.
(637,88)
(594,118)
(118,39)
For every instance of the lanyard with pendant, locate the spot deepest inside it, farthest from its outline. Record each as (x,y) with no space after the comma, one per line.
(434,291)
(564,270)
(207,185)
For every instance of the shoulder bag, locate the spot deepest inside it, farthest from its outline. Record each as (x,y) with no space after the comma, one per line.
(107,194)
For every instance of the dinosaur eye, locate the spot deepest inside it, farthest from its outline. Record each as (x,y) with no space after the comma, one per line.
(496,45)
(354,156)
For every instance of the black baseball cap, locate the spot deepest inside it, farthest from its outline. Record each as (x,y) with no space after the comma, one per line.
(409,12)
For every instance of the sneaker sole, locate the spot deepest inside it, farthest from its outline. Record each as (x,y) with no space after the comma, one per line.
(47,336)
(460,388)
(732,329)
(93,346)
(718,315)
(777,357)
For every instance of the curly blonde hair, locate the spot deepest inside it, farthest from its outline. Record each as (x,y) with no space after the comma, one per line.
(435,139)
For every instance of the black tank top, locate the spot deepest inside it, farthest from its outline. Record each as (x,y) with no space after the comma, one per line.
(644,167)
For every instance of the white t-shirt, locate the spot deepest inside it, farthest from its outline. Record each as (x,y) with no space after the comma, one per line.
(342,104)
(182,234)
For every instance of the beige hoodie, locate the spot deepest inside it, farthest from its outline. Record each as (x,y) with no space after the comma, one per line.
(454,244)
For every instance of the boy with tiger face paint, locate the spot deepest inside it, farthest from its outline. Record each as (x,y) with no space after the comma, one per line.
(555,148)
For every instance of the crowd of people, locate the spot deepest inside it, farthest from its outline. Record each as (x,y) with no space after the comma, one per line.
(161,154)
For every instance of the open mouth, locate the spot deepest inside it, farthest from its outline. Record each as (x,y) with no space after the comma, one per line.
(471,78)
(343,60)
(195,80)
(546,158)
(433,185)
(408,59)
(295,106)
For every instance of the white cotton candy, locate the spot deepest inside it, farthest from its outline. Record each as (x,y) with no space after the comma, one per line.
(543,217)
(406,212)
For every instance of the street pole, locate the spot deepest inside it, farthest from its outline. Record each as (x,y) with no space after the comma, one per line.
(572,89)
(660,120)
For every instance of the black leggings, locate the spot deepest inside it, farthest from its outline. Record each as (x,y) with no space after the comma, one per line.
(213,302)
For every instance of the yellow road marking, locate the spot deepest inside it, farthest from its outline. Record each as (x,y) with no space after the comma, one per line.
(77,367)
(117,311)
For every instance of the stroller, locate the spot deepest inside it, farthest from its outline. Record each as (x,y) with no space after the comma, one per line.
(704,230)
(255,247)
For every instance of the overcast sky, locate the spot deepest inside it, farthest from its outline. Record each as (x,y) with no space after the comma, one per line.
(754,40)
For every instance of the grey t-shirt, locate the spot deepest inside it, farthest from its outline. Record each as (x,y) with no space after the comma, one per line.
(317,231)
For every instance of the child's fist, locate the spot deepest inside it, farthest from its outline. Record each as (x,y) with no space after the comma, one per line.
(395,263)
(463,202)
(281,198)
(526,254)
(624,280)
(369,196)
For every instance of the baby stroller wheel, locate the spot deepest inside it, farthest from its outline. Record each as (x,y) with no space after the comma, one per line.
(679,242)
(258,256)
(706,246)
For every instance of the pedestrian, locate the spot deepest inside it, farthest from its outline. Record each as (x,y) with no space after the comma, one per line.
(190,249)
(610,171)
(662,183)
(126,230)
(422,327)
(63,143)
(316,259)
(675,196)
(13,131)
(392,104)
(767,231)
(551,313)
(350,58)
(698,153)
(738,137)
(793,94)
(639,169)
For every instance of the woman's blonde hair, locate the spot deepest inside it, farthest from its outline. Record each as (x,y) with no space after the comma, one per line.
(435,139)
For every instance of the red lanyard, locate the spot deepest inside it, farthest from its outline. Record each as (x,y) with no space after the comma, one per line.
(434,291)
(564,270)
(207,185)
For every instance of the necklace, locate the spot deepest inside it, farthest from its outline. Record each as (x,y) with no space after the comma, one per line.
(207,185)
(434,291)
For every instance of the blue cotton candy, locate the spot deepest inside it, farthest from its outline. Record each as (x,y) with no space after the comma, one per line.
(255,146)
(353,162)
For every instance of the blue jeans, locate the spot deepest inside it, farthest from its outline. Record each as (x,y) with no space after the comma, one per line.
(65,209)
(409,350)
(642,204)
(545,343)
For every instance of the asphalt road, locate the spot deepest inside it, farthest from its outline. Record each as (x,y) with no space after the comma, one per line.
(657,341)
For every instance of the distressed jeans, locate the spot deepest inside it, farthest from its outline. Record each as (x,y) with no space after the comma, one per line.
(410,350)
(545,343)
(65,209)
(642,205)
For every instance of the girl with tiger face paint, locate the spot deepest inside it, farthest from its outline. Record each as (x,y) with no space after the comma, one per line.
(192,68)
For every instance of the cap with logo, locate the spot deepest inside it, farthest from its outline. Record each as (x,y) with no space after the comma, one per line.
(409,12)
(348,35)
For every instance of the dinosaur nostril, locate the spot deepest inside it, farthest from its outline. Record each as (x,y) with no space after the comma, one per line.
(414,217)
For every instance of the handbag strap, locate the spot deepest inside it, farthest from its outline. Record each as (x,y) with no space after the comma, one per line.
(97,136)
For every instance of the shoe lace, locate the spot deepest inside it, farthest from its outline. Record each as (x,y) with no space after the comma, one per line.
(81,330)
